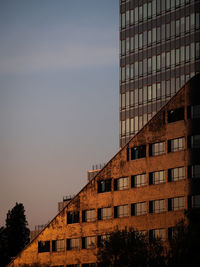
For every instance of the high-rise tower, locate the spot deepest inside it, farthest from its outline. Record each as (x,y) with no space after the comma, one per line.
(160,44)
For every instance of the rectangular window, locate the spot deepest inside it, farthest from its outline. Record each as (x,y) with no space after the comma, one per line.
(194,171)
(138,152)
(72,265)
(101,239)
(157,206)
(89,265)
(176,174)
(176,144)
(139,209)
(121,211)
(138,180)
(158,234)
(195,112)
(73,217)
(58,245)
(156,149)
(175,115)
(194,141)
(157,177)
(88,242)
(73,243)
(121,183)
(177,56)
(43,246)
(176,203)
(104,186)
(196,201)
(88,215)
(104,213)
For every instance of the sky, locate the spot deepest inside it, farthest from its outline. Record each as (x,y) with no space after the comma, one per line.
(59,99)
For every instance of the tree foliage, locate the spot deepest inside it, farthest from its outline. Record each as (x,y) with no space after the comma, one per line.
(15,235)
(130,248)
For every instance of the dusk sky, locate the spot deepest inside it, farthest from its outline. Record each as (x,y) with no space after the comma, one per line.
(59,99)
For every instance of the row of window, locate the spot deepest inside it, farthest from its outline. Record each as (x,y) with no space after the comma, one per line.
(152,92)
(161,33)
(149,10)
(160,62)
(76,265)
(156,149)
(157,177)
(154,206)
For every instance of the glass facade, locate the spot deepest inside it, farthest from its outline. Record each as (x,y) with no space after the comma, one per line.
(159,52)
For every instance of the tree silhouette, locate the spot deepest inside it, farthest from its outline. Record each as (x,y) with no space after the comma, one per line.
(15,236)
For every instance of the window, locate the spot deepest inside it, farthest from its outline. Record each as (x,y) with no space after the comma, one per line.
(101,239)
(138,180)
(104,213)
(194,112)
(157,206)
(157,177)
(72,265)
(157,149)
(43,246)
(194,171)
(88,215)
(88,242)
(138,152)
(104,186)
(196,201)
(194,141)
(158,234)
(176,203)
(138,209)
(58,245)
(121,211)
(175,115)
(176,174)
(176,144)
(58,265)
(121,183)
(73,217)
(73,243)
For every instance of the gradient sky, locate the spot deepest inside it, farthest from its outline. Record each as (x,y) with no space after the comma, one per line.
(59,99)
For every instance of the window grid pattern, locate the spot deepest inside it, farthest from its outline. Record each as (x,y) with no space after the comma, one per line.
(196,201)
(158,233)
(121,211)
(121,183)
(74,243)
(157,149)
(195,171)
(157,177)
(153,44)
(58,245)
(105,213)
(90,242)
(195,141)
(138,180)
(139,209)
(157,206)
(176,144)
(89,215)
(176,174)
(176,203)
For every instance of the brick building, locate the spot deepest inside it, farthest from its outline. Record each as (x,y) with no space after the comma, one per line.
(147,185)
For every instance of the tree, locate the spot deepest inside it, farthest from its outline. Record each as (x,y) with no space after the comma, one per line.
(130,248)
(184,242)
(15,236)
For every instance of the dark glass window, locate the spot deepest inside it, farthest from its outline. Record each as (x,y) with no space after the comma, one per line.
(194,141)
(73,217)
(175,115)
(194,171)
(43,246)
(138,152)
(104,186)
